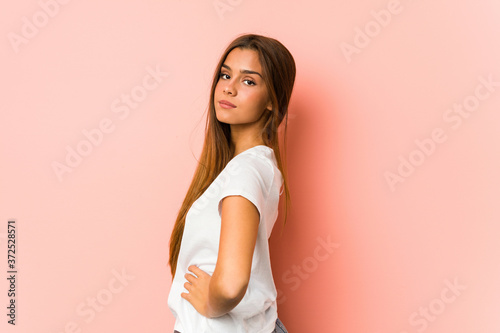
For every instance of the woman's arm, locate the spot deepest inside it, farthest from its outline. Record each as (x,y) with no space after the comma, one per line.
(239,227)
(216,295)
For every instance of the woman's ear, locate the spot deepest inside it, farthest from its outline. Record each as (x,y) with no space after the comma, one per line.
(269,106)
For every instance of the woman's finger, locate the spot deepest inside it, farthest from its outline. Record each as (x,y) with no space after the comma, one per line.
(196,270)
(190,277)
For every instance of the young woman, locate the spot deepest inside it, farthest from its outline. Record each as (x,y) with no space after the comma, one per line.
(219,253)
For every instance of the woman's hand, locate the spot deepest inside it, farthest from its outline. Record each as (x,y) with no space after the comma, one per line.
(197,287)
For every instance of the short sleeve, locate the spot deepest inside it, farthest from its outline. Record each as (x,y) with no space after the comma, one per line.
(250,177)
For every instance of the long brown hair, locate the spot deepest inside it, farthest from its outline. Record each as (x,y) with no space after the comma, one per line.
(278,68)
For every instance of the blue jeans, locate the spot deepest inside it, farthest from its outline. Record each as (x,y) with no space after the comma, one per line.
(279,328)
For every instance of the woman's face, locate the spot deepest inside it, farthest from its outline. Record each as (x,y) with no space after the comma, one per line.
(242,87)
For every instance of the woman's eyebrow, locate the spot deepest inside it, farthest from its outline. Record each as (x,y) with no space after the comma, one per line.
(244,71)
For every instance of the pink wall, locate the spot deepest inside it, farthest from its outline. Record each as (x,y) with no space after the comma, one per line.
(393,159)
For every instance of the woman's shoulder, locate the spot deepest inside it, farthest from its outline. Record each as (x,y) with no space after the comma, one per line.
(258,160)
(259,153)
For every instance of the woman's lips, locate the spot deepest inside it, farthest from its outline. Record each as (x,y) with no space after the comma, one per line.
(226,105)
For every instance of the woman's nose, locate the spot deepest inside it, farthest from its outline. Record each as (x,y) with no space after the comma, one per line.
(229,88)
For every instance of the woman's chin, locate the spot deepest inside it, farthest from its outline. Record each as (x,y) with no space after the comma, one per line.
(223,117)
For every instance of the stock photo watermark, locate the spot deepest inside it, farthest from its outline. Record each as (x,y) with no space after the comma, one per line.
(430,312)
(88,309)
(31,26)
(223,6)
(12,270)
(454,116)
(121,106)
(420,319)
(233,168)
(297,274)
(363,36)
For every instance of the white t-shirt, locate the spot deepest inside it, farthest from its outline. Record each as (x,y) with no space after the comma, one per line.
(254,175)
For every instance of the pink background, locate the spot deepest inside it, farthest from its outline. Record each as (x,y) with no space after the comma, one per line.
(358,255)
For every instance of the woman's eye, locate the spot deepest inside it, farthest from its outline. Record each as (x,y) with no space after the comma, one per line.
(225,76)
